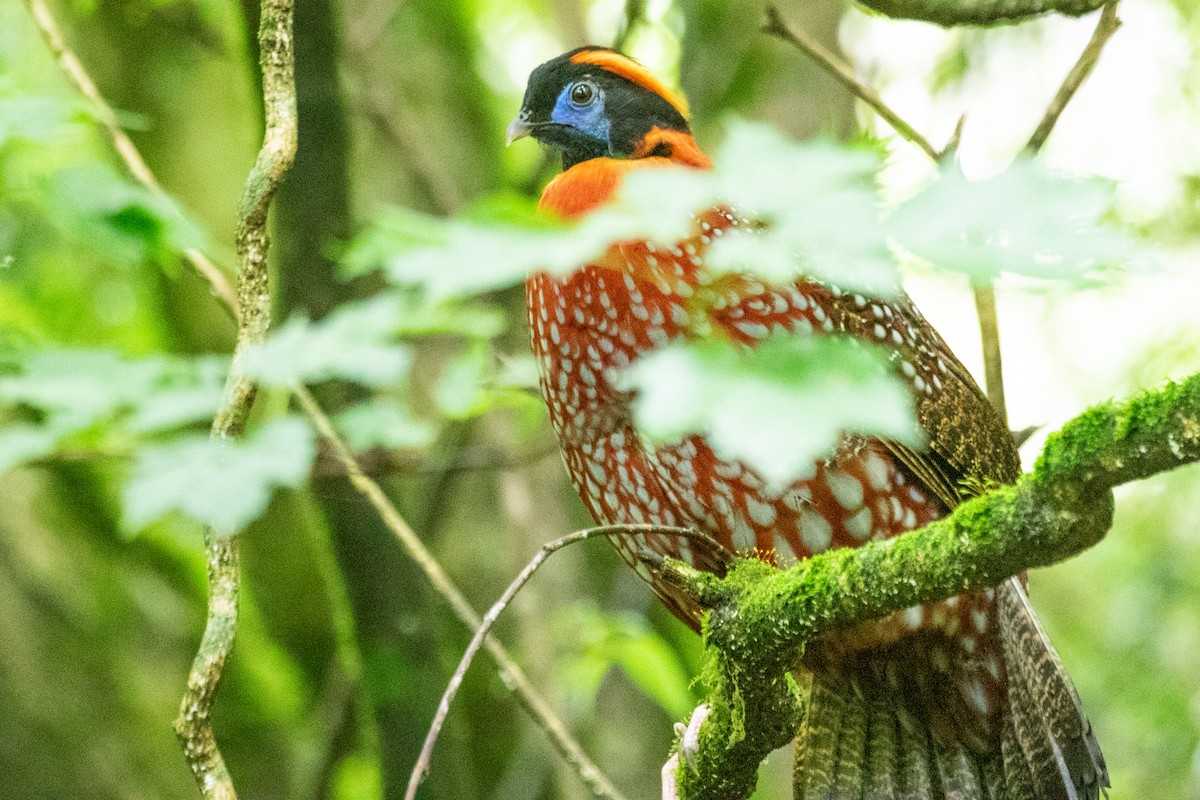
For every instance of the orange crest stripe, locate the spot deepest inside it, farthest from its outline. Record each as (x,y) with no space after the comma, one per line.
(632,71)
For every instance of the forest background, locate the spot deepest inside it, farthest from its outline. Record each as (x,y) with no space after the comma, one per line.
(344,648)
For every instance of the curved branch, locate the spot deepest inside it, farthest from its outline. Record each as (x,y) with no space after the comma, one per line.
(525,693)
(421,768)
(193,725)
(948,13)
(761,618)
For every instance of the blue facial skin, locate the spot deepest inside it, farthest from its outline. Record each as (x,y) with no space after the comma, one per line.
(587,119)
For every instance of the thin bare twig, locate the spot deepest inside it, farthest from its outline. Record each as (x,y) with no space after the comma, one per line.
(989,336)
(1105,28)
(776,26)
(421,768)
(71,65)
(510,673)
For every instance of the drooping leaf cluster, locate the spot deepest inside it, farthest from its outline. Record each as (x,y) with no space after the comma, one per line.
(810,211)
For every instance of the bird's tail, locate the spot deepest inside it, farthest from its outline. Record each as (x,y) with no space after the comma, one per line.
(874,728)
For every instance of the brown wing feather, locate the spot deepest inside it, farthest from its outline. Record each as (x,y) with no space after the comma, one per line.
(968,446)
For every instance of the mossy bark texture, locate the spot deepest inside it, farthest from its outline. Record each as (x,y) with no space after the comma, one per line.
(760,618)
(193,726)
(979,12)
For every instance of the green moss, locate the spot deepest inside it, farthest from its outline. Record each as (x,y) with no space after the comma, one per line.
(762,617)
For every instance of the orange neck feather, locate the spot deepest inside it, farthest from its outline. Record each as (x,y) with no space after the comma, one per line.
(590,183)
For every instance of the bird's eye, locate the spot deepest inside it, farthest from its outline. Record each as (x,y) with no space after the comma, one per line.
(583,93)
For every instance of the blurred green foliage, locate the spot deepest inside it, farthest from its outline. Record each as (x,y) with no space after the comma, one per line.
(343,649)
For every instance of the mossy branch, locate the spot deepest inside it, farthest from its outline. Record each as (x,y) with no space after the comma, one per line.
(761,618)
(979,12)
(193,726)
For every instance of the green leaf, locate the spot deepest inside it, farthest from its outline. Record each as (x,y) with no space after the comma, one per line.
(34,118)
(816,209)
(21,443)
(451,318)
(188,394)
(518,372)
(122,220)
(77,388)
(460,389)
(383,423)
(778,407)
(222,484)
(606,641)
(355,342)
(1026,221)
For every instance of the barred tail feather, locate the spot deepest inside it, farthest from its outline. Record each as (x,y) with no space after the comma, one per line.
(869,732)
(859,742)
(1063,756)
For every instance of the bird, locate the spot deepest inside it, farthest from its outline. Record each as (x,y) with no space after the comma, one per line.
(959,699)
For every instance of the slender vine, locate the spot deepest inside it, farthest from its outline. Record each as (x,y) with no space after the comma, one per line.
(193,725)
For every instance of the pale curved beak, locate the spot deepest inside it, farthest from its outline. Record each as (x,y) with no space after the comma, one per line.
(519,128)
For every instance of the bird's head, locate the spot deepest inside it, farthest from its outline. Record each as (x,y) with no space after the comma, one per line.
(594,102)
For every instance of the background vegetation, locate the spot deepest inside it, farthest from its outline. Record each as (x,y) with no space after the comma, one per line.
(343,648)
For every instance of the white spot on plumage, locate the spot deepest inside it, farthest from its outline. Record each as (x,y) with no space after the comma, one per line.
(976,695)
(815,530)
(743,535)
(797,499)
(858,525)
(846,489)
(784,553)
(762,514)
(755,330)
(876,469)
